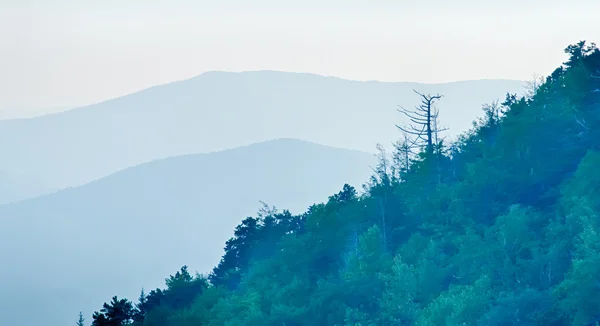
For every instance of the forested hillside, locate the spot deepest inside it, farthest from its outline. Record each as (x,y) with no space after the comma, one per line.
(498,228)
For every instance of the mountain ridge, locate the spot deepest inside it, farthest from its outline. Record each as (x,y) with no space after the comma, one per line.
(186,203)
(217,111)
(251,146)
(225,72)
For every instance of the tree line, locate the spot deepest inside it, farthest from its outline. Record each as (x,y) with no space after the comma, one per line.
(499,227)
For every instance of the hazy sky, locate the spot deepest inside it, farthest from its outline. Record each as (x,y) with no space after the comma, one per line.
(57,53)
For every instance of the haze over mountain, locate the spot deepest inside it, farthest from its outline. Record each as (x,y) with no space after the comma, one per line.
(121,164)
(14,187)
(170,212)
(24,113)
(221,110)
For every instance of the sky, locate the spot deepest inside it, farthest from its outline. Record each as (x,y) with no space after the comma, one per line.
(58,54)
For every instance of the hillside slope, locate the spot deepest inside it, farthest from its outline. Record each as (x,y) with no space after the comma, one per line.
(220,110)
(132,227)
(498,228)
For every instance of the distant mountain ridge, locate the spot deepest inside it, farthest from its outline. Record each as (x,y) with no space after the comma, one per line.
(220,110)
(151,219)
(15,187)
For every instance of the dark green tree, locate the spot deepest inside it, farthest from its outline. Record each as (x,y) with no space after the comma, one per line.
(116,313)
(81,320)
(141,307)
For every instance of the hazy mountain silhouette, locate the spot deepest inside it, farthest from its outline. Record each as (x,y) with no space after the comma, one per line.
(61,249)
(220,110)
(14,187)
(24,113)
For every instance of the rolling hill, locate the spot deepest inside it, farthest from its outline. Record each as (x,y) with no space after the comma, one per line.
(71,250)
(221,110)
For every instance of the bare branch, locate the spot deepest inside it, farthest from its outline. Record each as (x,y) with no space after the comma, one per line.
(410,131)
(410,116)
(423,121)
(581,122)
(429,97)
(423,95)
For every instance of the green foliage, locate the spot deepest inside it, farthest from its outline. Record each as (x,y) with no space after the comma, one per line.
(116,313)
(498,228)
(459,305)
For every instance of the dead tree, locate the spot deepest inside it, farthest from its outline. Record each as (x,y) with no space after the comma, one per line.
(423,120)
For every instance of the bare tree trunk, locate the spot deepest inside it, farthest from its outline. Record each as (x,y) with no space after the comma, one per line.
(422,121)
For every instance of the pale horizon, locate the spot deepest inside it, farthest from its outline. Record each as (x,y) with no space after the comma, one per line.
(61,55)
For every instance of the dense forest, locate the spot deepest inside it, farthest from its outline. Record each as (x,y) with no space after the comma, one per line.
(499,227)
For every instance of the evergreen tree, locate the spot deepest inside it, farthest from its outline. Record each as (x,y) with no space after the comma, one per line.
(116,313)
(141,307)
(81,320)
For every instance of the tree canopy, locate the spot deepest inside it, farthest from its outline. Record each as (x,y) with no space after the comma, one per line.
(499,227)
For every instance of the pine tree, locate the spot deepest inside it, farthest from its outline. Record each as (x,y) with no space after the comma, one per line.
(141,307)
(117,312)
(81,321)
